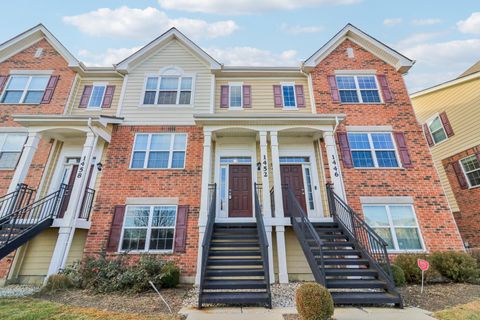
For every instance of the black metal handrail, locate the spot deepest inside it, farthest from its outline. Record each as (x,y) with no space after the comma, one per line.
(87,204)
(207,237)
(35,213)
(262,236)
(373,247)
(305,232)
(15,200)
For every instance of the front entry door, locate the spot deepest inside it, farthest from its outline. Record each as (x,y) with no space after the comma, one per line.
(69,182)
(240,191)
(293,177)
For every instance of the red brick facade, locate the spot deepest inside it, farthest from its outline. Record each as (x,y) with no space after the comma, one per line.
(25,60)
(420,182)
(468,219)
(119,183)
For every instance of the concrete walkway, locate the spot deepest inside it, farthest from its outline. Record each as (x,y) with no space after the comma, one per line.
(277,313)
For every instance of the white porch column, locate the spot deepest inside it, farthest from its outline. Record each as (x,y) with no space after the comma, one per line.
(334,164)
(271,271)
(282,254)
(277,179)
(206,174)
(267,210)
(25,161)
(67,229)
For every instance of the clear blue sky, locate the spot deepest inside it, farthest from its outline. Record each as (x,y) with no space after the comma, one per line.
(443,36)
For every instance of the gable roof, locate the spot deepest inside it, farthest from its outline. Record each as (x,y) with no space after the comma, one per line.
(384,52)
(473,69)
(172,33)
(31,36)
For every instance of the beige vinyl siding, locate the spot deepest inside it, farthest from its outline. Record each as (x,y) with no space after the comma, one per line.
(297,265)
(73,108)
(262,93)
(462,104)
(172,54)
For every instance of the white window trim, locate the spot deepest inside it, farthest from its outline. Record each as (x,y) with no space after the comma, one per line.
(372,150)
(170,150)
(357,87)
(2,143)
(465,172)
(235,84)
(429,122)
(159,76)
(392,227)
(97,84)
(25,89)
(149,230)
(289,84)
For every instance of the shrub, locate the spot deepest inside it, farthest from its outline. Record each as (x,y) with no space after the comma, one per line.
(57,282)
(475,253)
(398,275)
(457,266)
(408,263)
(170,275)
(314,302)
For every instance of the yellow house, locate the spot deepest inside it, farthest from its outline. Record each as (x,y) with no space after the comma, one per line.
(450,113)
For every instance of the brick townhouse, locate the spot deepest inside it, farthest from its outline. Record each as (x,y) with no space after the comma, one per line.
(243,176)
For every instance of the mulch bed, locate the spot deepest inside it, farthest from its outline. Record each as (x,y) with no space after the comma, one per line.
(148,303)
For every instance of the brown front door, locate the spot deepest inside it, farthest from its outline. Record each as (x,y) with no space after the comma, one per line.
(66,199)
(240,191)
(292,176)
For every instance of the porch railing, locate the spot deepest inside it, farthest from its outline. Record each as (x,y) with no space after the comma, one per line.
(368,241)
(207,237)
(306,233)
(87,204)
(15,200)
(262,236)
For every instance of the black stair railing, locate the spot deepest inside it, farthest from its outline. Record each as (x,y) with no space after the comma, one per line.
(368,241)
(305,232)
(262,236)
(34,213)
(207,237)
(15,200)
(87,204)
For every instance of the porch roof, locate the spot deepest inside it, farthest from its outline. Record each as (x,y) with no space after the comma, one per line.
(268,119)
(43,120)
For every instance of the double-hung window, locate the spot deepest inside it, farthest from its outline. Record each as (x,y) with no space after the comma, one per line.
(149,228)
(11,146)
(168,90)
(288,96)
(96,98)
(358,89)
(372,150)
(437,130)
(235,95)
(471,168)
(159,151)
(396,224)
(25,89)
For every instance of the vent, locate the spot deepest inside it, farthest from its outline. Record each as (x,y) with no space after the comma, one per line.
(350,53)
(38,52)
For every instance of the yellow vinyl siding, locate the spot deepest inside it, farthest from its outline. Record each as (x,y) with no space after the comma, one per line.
(297,265)
(461,103)
(172,54)
(262,94)
(73,108)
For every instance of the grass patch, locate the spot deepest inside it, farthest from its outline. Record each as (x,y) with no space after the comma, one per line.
(36,309)
(469,311)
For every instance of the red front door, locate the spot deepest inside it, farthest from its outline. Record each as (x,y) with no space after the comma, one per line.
(292,176)
(240,191)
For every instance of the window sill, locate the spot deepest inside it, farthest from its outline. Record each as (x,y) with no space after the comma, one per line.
(165,105)
(235,108)
(439,143)
(379,168)
(290,108)
(407,251)
(155,169)
(362,103)
(20,104)
(146,252)
(469,188)
(7,169)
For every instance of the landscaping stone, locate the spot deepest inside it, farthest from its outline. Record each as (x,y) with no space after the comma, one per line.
(14,291)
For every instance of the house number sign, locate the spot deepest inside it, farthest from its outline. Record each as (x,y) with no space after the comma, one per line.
(265,166)
(81,167)
(334,165)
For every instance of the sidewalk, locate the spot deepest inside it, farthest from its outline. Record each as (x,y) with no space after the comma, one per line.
(277,313)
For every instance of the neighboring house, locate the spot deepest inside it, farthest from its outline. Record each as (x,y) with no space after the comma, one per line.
(206,164)
(449,113)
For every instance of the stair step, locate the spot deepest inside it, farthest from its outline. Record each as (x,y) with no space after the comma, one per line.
(236,225)
(349,262)
(235,262)
(347,272)
(355,283)
(236,230)
(329,230)
(338,244)
(364,298)
(257,298)
(332,236)
(229,253)
(235,284)
(234,244)
(235,237)
(325,224)
(339,252)
(235,272)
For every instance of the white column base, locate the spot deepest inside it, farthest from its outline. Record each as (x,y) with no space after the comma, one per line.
(270,255)
(281,254)
(201,234)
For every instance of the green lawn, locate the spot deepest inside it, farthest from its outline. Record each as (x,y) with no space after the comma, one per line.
(36,309)
(469,311)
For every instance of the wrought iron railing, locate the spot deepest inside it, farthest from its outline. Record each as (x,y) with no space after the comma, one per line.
(368,241)
(207,237)
(262,236)
(34,213)
(87,204)
(15,200)
(306,233)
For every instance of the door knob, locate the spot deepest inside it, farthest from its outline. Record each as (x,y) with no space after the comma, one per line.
(229,194)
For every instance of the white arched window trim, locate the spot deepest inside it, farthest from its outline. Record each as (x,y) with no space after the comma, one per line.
(150,96)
